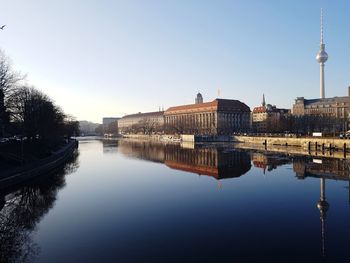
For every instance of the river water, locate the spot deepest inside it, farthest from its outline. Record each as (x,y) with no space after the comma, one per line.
(134,201)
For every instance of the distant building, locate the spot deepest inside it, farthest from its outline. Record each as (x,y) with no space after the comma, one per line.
(265,115)
(88,128)
(337,107)
(199,99)
(145,123)
(220,116)
(110,125)
(332,113)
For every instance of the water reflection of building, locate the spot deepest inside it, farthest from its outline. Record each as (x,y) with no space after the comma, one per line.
(329,168)
(110,145)
(323,168)
(145,150)
(268,161)
(212,161)
(215,162)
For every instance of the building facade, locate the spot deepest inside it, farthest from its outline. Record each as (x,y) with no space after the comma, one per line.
(267,115)
(145,123)
(336,107)
(110,125)
(218,117)
(329,114)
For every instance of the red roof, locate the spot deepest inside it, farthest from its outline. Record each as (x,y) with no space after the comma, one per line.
(260,109)
(217,104)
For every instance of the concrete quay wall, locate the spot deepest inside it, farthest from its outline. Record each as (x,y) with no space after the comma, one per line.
(309,143)
(180,138)
(30,171)
(294,151)
(153,137)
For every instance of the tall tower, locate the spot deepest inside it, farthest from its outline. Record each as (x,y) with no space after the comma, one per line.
(199,99)
(321,58)
(263,103)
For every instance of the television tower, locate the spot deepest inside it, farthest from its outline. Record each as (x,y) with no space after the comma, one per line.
(321,58)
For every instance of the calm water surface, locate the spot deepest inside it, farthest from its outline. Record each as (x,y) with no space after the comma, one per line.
(127,201)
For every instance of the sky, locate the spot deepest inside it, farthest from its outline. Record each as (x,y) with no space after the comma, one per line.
(107,58)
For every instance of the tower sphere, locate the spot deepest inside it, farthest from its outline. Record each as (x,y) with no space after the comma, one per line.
(322,56)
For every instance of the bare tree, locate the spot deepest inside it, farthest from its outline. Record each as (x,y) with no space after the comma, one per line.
(112,128)
(9,79)
(37,115)
(146,126)
(71,126)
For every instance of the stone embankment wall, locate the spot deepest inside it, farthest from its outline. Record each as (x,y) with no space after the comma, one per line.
(181,138)
(310,143)
(153,137)
(294,151)
(27,172)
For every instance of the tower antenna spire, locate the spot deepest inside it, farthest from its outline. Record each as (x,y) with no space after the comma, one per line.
(263,101)
(321,58)
(321,26)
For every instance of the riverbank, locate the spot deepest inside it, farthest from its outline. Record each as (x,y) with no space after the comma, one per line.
(154,137)
(309,143)
(180,137)
(39,167)
(315,147)
(306,143)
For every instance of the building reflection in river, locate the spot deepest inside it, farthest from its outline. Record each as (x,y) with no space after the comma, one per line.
(23,207)
(218,162)
(110,145)
(329,168)
(306,166)
(269,162)
(144,150)
(225,162)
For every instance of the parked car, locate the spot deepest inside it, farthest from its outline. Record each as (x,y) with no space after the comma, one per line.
(344,135)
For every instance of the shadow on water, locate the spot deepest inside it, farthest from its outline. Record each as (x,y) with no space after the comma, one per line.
(23,207)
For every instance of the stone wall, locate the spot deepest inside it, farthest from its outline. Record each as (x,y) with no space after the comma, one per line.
(321,143)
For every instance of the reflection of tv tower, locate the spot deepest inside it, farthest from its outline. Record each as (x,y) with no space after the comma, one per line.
(323,206)
(2,202)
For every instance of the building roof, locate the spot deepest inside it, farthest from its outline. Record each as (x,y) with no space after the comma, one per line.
(327,100)
(145,114)
(260,109)
(217,104)
(269,108)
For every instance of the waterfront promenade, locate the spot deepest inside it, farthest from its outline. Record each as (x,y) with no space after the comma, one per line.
(306,143)
(43,166)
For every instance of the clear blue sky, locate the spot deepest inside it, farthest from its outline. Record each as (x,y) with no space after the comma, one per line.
(109,58)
